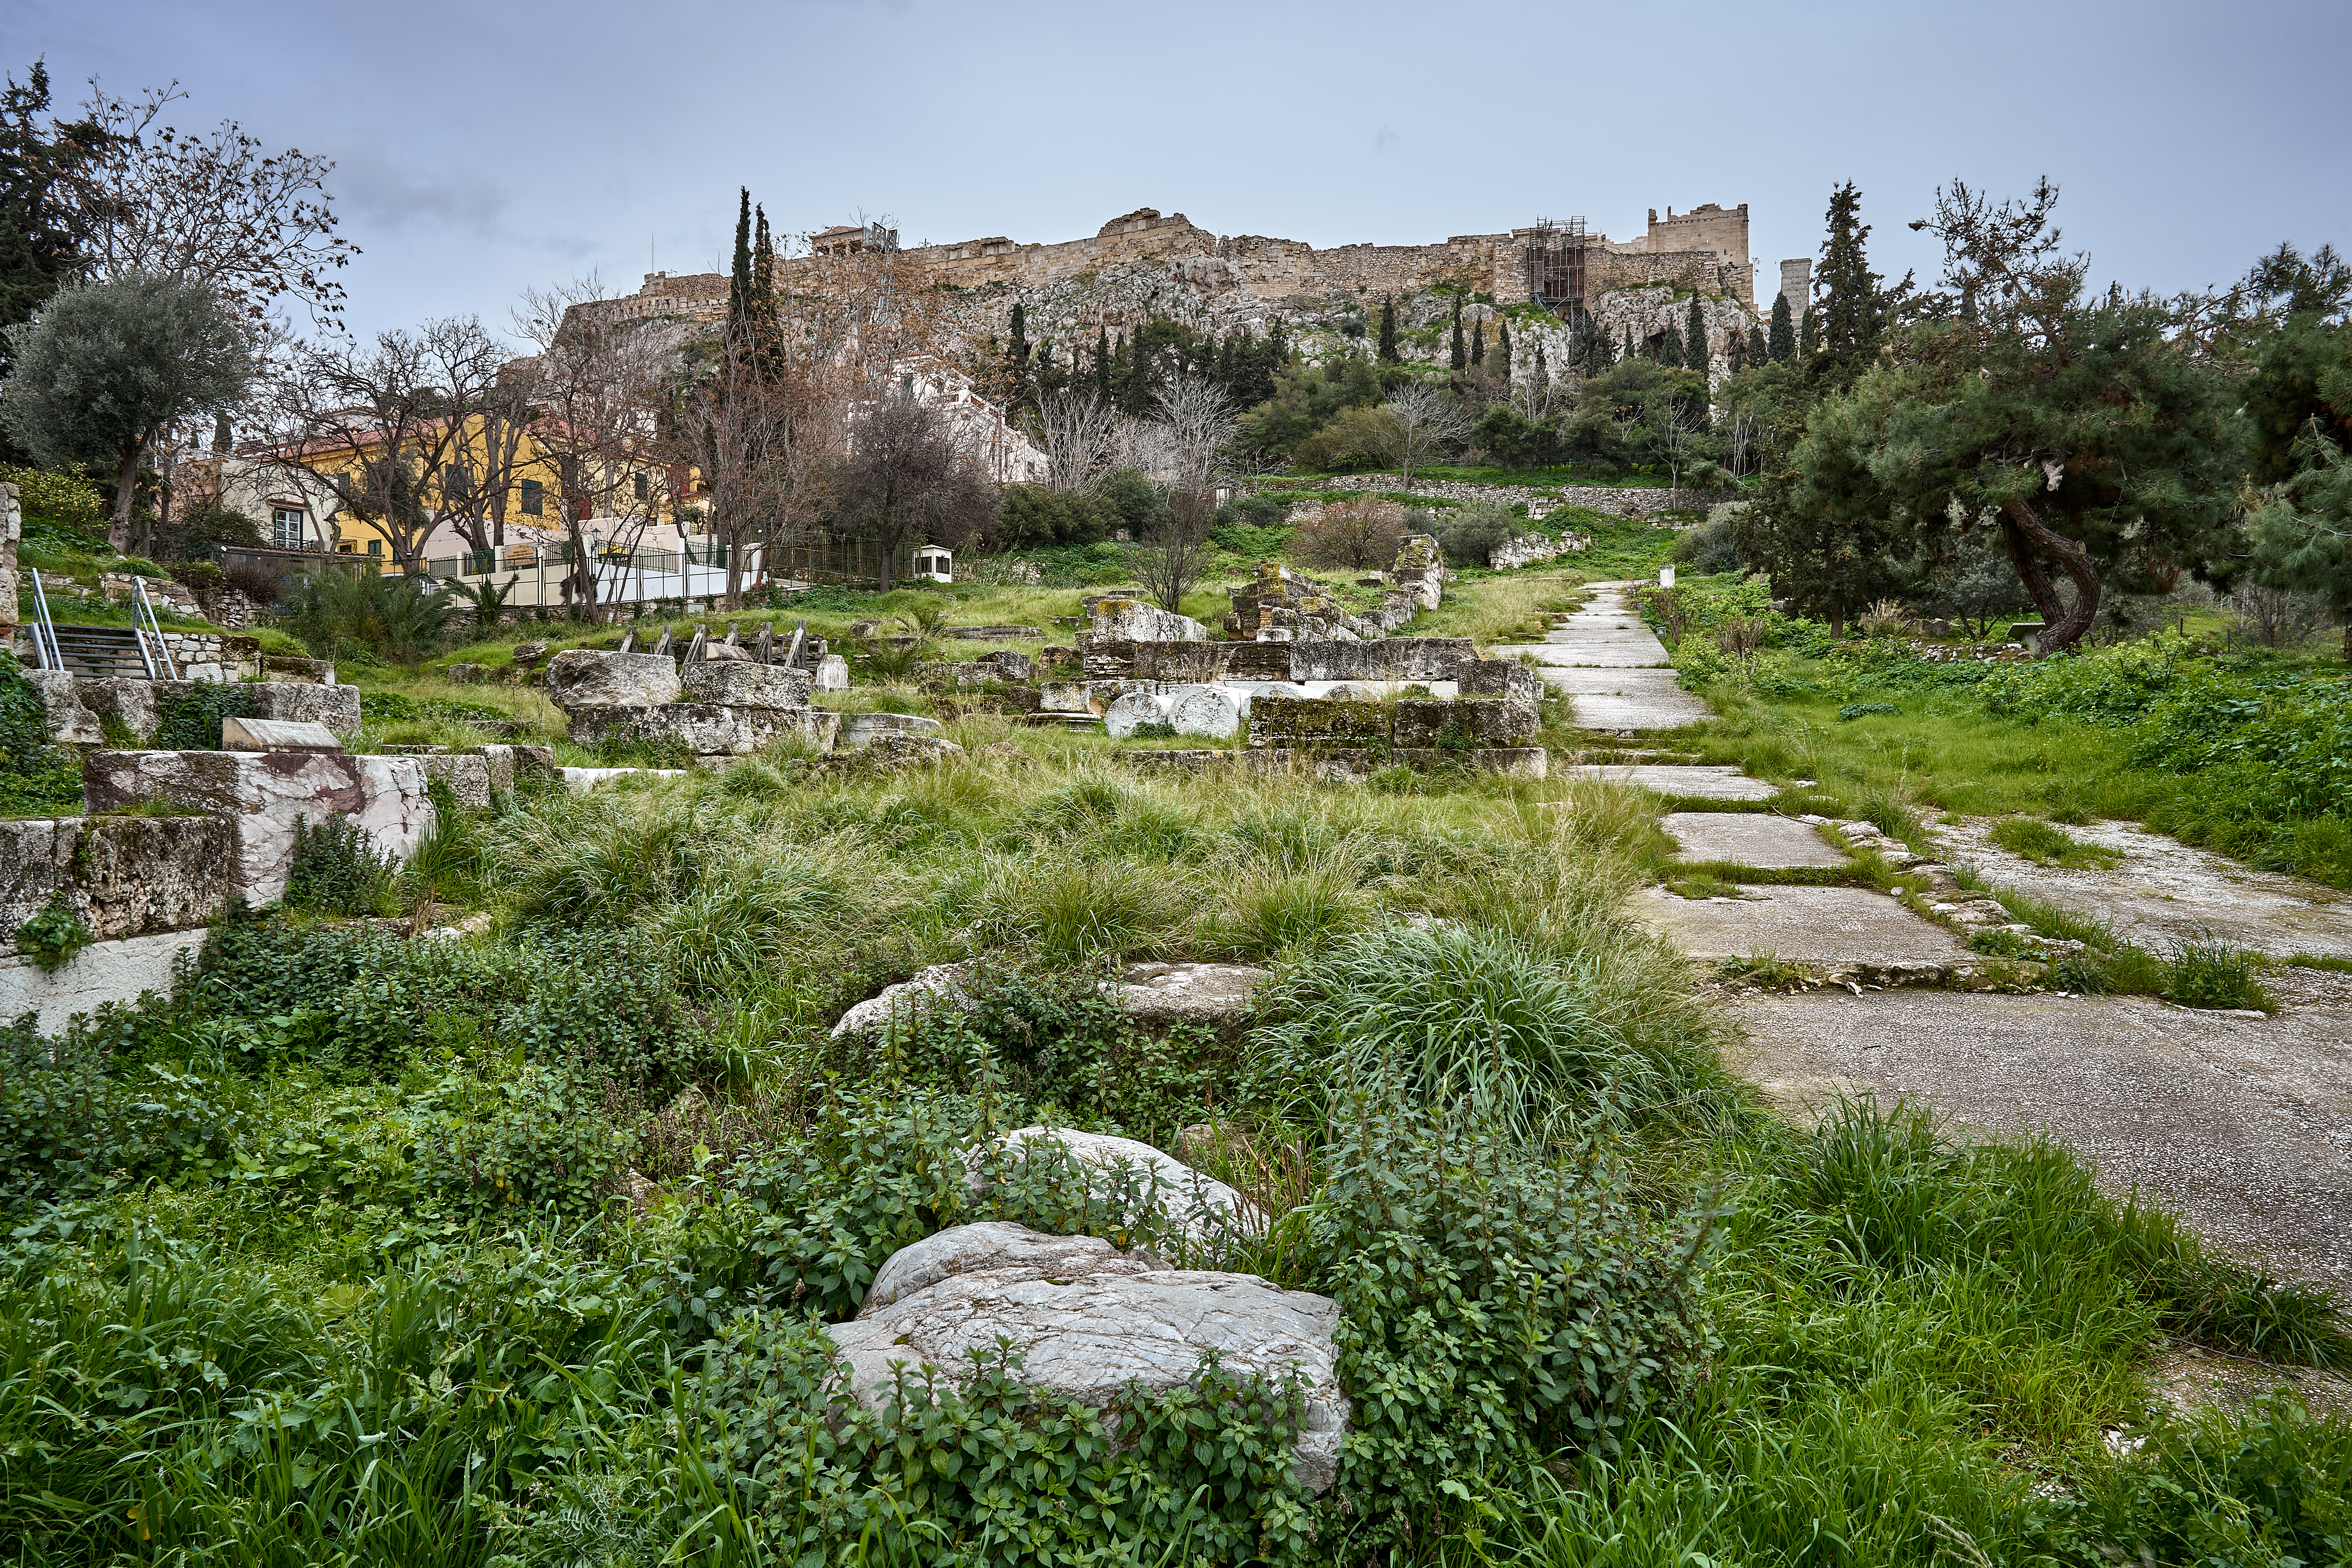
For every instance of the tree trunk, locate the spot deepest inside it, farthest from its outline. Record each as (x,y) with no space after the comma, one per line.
(126,489)
(2063,625)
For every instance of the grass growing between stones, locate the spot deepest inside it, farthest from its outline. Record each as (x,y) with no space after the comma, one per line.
(519,1248)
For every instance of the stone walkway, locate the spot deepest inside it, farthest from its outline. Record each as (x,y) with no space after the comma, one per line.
(2238,1123)
(1611,666)
(2165,892)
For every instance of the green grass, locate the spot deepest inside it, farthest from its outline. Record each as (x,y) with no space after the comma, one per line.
(2046,844)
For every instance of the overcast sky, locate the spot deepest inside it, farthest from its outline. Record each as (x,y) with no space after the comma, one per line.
(488,147)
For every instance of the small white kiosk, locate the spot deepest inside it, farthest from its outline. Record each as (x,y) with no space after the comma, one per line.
(934,564)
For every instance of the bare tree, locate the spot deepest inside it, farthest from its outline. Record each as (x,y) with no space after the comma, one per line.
(1678,429)
(390,426)
(213,209)
(596,391)
(1427,423)
(1356,533)
(907,480)
(1191,439)
(1077,431)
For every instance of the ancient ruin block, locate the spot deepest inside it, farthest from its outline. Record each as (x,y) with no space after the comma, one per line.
(277,735)
(1390,659)
(1069,697)
(1500,678)
(524,767)
(466,774)
(262,793)
(286,669)
(1420,570)
(81,706)
(1317,722)
(1500,721)
(706,728)
(122,876)
(832,674)
(860,730)
(1133,620)
(746,685)
(577,678)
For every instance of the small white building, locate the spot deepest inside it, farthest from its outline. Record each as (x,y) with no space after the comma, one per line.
(934,563)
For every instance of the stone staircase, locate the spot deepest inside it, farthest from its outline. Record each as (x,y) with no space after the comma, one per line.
(101,650)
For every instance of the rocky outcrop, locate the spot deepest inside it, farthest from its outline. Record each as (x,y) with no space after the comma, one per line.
(1090,1321)
(1217,995)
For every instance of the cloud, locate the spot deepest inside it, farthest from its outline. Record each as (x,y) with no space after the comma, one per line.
(392,196)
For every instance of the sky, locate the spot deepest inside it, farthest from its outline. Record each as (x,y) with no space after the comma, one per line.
(489,147)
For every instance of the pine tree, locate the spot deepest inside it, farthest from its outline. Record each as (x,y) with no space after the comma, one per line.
(1670,347)
(1478,342)
(1389,332)
(1854,307)
(1695,340)
(1757,352)
(1784,341)
(1461,350)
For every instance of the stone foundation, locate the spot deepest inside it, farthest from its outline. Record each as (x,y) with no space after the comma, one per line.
(80,706)
(1345,765)
(706,728)
(122,876)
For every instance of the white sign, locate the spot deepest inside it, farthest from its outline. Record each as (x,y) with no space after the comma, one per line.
(1665,576)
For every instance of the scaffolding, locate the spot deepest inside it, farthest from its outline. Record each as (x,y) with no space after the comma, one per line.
(1555,264)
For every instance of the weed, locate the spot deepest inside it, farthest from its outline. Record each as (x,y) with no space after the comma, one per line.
(2045,844)
(2204,973)
(1999,941)
(1761,968)
(2321,960)
(54,935)
(1853,710)
(337,869)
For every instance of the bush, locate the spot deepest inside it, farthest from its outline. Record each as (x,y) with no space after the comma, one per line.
(66,1126)
(33,776)
(1712,547)
(540,1145)
(1495,1307)
(1469,534)
(1356,533)
(1515,441)
(189,719)
(337,869)
(1034,516)
(52,936)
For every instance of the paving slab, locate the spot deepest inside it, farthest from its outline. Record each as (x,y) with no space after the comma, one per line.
(1692,783)
(1626,699)
(1799,925)
(2238,1123)
(1749,838)
(2164,891)
(1593,653)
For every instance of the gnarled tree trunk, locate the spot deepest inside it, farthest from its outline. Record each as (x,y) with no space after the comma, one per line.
(2062,624)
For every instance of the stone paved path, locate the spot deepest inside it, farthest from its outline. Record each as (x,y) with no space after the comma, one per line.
(1611,666)
(1815,926)
(2165,892)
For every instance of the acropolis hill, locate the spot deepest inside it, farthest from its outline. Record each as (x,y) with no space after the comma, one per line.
(1143,265)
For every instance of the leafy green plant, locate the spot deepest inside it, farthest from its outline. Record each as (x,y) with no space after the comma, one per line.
(54,935)
(189,719)
(2206,972)
(33,776)
(542,1145)
(1853,710)
(337,869)
(1764,969)
(2046,844)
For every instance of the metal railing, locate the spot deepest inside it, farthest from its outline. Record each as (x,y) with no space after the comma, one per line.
(44,630)
(150,627)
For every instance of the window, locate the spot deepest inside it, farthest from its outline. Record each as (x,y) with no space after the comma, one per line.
(533,502)
(375,547)
(285,526)
(637,484)
(454,481)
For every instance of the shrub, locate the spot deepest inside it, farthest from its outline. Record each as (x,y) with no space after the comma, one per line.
(67,1126)
(1356,533)
(1495,1307)
(337,869)
(540,1145)
(54,935)
(1469,534)
(189,719)
(1515,441)
(1034,516)
(33,775)
(1713,546)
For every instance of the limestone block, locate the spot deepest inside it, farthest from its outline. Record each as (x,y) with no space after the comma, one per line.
(1317,722)
(1205,710)
(1089,1335)
(1133,709)
(746,685)
(262,793)
(940,986)
(997,634)
(519,767)
(465,674)
(896,748)
(1203,1207)
(117,970)
(1011,1251)
(832,674)
(1492,722)
(1069,697)
(1388,659)
(706,728)
(1134,620)
(580,781)
(123,876)
(1217,995)
(725,653)
(288,671)
(70,723)
(337,708)
(466,774)
(860,730)
(1500,678)
(277,735)
(577,678)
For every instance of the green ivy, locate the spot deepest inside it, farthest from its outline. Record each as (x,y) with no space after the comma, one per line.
(33,776)
(189,719)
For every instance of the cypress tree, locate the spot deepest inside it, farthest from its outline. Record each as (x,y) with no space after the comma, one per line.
(1478,342)
(1017,358)
(1670,347)
(1784,341)
(1388,333)
(1503,346)
(1629,342)
(1734,353)
(1461,351)
(1102,363)
(1854,308)
(738,281)
(1757,351)
(1695,339)
(1808,341)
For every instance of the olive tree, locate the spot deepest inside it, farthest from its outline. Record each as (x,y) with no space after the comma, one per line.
(101,370)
